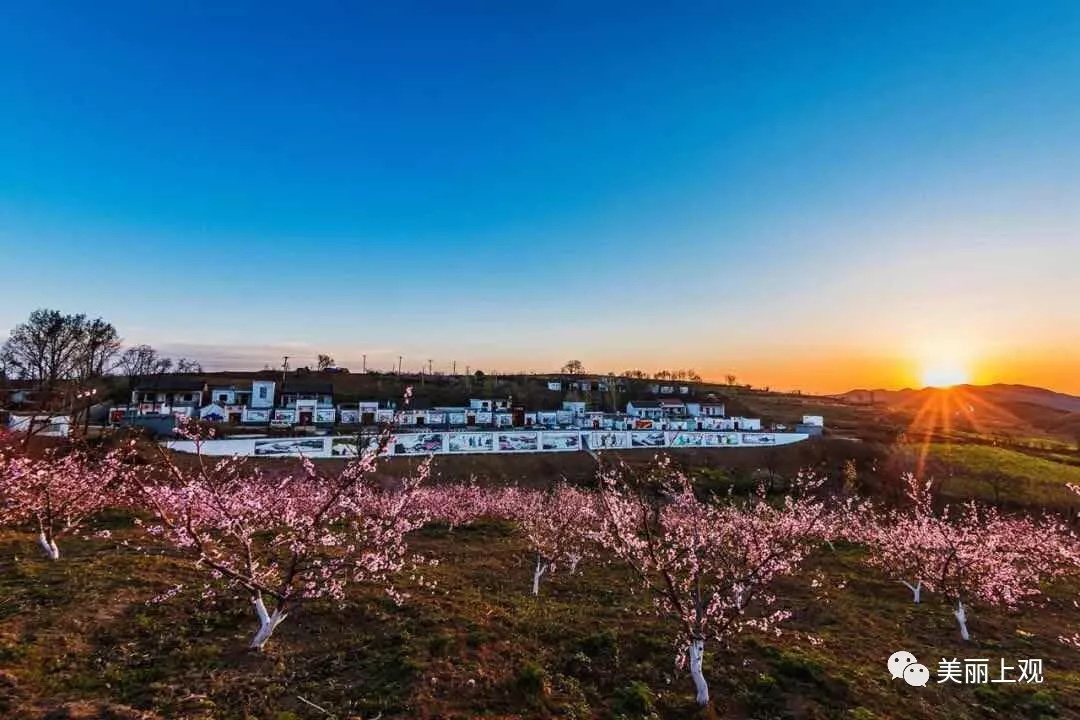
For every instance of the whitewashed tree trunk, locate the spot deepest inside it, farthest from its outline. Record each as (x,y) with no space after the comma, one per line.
(574,560)
(49,546)
(697,654)
(738,593)
(267,623)
(961,618)
(916,590)
(541,568)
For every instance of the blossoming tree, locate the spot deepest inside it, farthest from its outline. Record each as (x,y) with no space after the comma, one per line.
(965,552)
(706,564)
(284,539)
(560,524)
(59,491)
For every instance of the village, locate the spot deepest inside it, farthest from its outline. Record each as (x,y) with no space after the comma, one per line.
(293,414)
(311,404)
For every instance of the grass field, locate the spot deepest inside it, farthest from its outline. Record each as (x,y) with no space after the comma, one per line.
(79,634)
(1021,478)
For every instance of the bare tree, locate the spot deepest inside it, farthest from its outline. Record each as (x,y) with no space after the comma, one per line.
(143,360)
(730,379)
(100,345)
(324,362)
(574,367)
(186,365)
(50,347)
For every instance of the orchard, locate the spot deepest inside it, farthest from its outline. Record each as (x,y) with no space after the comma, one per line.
(715,572)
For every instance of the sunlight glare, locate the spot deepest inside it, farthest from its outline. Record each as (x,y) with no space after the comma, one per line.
(943,375)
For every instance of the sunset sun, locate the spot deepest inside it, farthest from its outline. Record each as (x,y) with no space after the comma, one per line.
(942,375)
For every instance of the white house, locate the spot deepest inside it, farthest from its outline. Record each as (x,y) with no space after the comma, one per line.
(672,407)
(46,425)
(742,423)
(488,404)
(230,395)
(815,420)
(169,394)
(549,418)
(712,409)
(645,409)
(262,394)
(575,407)
(554,385)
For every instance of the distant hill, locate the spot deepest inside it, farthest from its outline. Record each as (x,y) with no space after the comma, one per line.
(982,408)
(998,394)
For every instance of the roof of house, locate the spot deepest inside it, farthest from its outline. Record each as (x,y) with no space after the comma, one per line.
(307,387)
(646,403)
(236,387)
(671,402)
(171,383)
(712,404)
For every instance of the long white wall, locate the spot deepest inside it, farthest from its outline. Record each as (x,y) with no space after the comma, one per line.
(488,442)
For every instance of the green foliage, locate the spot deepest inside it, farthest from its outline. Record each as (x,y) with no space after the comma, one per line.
(531,681)
(636,701)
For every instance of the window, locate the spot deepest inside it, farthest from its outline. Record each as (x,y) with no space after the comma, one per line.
(187,397)
(262,392)
(223,398)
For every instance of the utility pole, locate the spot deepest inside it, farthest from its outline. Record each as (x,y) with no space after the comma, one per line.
(429,366)
(284,373)
(398,364)
(453,368)
(365,363)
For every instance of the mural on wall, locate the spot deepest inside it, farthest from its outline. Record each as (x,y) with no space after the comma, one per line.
(685,439)
(284,417)
(289,446)
(522,441)
(345,447)
(607,440)
(418,443)
(561,440)
(466,442)
(213,413)
(349,445)
(758,439)
(325,415)
(644,424)
(350,417)
(259,416)
(647,439)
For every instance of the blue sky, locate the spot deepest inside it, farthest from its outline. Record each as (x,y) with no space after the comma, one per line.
(774,189)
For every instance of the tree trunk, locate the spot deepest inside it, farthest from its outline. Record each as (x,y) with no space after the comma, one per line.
(267,623)
(916,590)
(49,546)
(961,618)
(574,560)
(697,653)
(541,568)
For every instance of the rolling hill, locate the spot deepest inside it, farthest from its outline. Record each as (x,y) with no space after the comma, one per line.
(988,409)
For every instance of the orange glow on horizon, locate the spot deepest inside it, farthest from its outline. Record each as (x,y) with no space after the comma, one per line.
(1054,369)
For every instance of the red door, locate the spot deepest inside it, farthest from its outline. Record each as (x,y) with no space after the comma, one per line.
(305,418)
